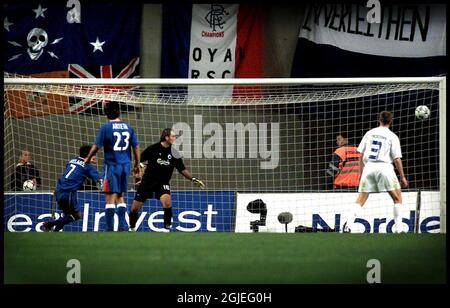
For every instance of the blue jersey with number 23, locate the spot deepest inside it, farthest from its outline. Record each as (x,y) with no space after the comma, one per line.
(117,138)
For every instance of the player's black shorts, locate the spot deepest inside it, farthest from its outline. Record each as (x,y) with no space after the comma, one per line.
(148,189)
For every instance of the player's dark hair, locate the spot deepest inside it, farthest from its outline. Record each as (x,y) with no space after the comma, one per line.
(385,117)
(112,110)
(84,150)
(165,133)
(344,135)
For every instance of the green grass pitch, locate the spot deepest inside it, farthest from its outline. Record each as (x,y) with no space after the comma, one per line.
(229,258)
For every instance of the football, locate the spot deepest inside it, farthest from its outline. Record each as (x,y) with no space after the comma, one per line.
(422,112)
(29,185)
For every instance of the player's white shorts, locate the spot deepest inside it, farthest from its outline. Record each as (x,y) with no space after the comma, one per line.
(378,177)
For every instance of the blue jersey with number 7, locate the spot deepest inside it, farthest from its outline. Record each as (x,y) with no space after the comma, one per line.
(117,137)
(75,174)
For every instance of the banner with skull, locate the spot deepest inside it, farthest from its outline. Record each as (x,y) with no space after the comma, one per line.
(71,40)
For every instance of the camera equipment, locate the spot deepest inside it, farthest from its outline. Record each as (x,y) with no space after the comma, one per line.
(257,207)
(285,218)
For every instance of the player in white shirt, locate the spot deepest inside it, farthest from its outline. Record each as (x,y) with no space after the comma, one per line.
(380,147)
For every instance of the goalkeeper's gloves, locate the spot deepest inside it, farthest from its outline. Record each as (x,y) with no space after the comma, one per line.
(198,183)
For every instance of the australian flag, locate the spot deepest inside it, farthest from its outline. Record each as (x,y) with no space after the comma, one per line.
(73,39)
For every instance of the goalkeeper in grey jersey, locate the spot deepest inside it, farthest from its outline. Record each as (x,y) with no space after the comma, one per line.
(161,159)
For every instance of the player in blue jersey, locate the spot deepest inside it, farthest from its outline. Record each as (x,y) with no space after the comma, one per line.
(66,189)
(117,138)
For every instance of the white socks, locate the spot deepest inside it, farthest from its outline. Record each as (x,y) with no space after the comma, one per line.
(354,212)
(358,209)
(398,216)
(398,213)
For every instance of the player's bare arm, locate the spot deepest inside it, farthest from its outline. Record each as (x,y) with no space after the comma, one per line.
(187,174)
(399,165)
(137,160)
(92,152)
(361,164)
(196,181)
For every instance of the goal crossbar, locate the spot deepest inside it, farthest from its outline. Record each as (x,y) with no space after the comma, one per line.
(230,81)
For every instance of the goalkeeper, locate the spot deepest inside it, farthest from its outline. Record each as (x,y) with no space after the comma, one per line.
(161,159)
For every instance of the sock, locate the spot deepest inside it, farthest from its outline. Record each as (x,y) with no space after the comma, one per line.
(167,216)
(354,212)
(61,222)
(357,209)
(110,210)
(398,214)
(133,218)
(121,211)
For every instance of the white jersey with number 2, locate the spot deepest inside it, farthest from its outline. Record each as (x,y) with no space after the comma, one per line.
(380,145)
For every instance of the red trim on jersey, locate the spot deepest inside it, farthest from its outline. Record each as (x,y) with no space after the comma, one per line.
(106,186)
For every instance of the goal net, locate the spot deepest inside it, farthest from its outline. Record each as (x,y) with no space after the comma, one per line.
(262,147)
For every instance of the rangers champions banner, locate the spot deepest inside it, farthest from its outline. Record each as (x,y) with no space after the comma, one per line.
(211,41)
(407,40)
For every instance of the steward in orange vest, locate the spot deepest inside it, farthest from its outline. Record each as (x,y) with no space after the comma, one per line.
(343,169)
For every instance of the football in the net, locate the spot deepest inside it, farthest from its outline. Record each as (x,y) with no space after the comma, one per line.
(29,185)
(422,112)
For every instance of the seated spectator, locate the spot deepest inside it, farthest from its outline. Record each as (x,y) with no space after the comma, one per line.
(24,171)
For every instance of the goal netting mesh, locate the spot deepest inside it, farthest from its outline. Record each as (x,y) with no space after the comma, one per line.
(247,141)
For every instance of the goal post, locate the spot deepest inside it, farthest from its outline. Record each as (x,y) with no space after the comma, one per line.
(443,153)
(247,139)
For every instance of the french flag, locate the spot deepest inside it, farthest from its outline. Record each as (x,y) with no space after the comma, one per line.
(211,41)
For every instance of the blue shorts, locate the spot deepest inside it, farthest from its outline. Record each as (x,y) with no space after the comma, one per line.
(67,201)
(115,179)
